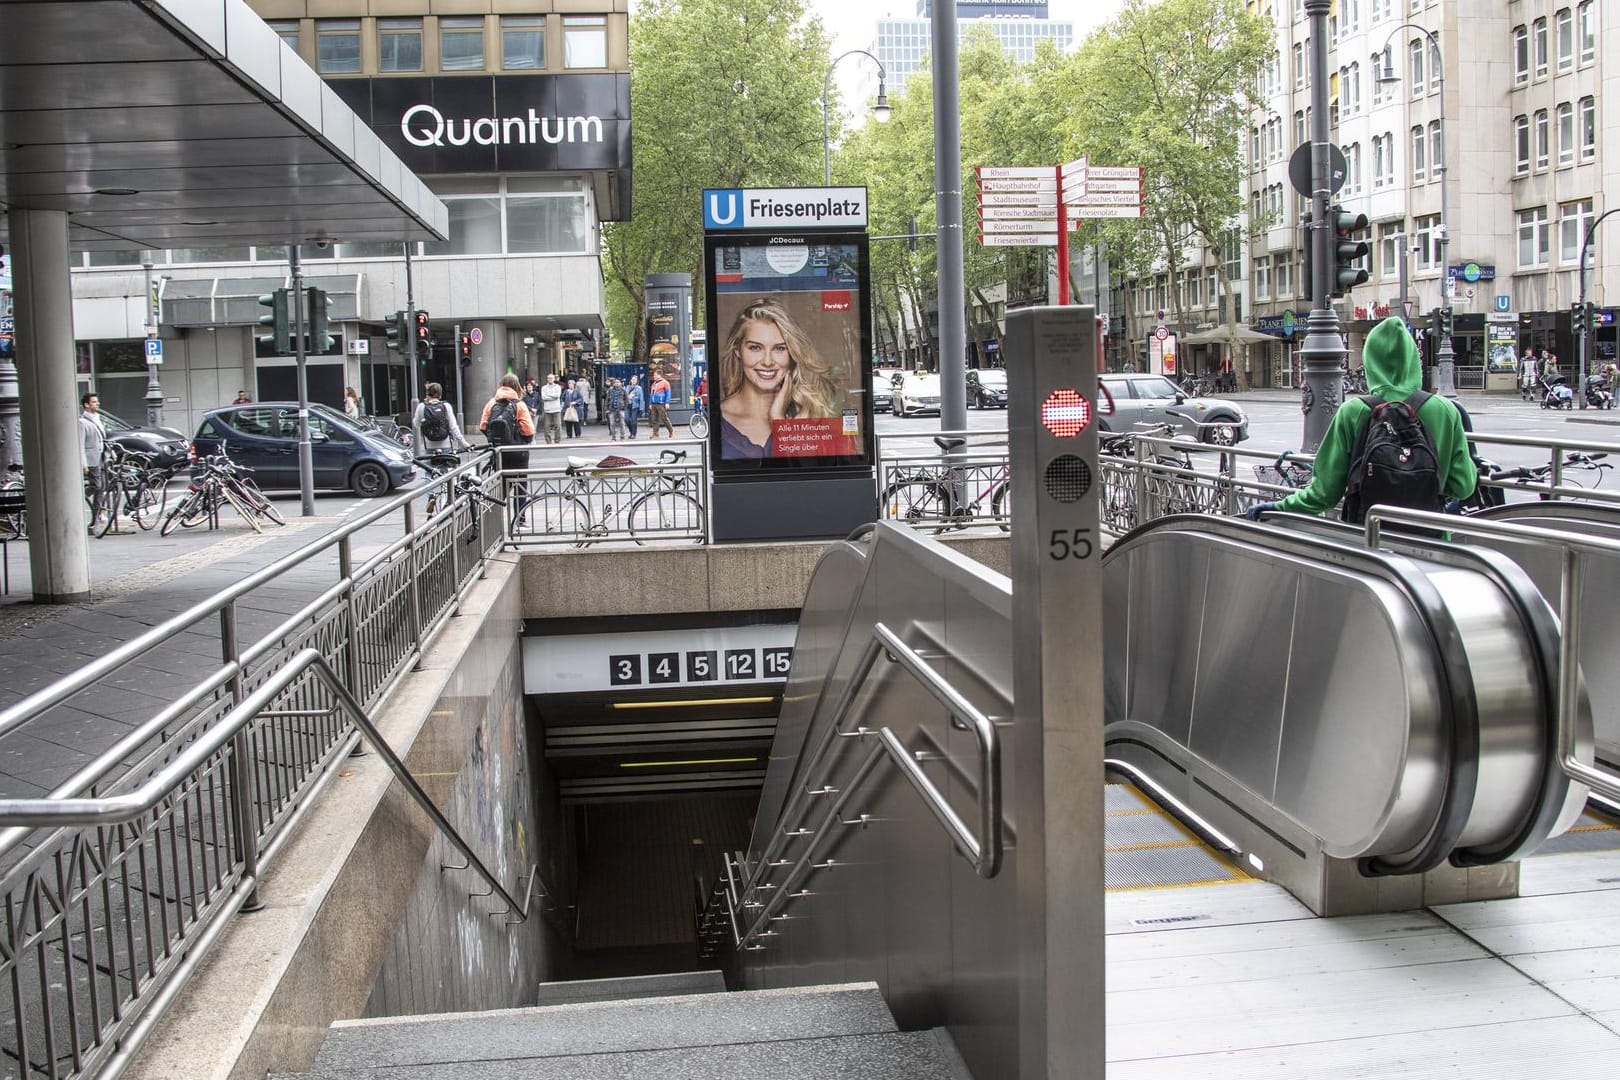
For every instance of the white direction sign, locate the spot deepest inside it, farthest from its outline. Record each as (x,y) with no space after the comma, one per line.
(1104,198)
(1092,184)
(1048,184)
(1016,172)
(1074,168)
(993,226)
(1033,198)
(1019,239)
(1018,213)
(1114,172)
(1077,213)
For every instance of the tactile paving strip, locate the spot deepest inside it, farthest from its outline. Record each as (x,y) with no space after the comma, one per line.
(1148,849)
(1590,833)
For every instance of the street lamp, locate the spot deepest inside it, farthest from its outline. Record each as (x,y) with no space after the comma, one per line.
(880,108)
(1445,358)
(1586,328)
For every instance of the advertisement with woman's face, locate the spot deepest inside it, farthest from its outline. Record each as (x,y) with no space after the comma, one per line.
(786,350)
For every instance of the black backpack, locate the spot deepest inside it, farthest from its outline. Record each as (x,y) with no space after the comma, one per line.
(502,427)
(1394,462)
(436,421)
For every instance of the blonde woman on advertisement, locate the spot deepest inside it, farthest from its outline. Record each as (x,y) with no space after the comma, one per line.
(769,371)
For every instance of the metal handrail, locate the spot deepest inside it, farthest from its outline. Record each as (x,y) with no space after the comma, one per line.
(117,809)
(1574,548)
(984,851)
(19,713)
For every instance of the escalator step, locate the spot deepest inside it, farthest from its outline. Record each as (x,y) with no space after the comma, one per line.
(1148,849)
(1590,833)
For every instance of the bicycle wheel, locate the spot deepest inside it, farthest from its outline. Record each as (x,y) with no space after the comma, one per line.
(109,504)
(659,514)
(918,503)
(150,499)
(248,491)
(698,425)
(243,511)
(190,504)
(1001,506)
(553,515)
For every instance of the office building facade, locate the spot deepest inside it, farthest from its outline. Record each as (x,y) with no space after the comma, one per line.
(902,45)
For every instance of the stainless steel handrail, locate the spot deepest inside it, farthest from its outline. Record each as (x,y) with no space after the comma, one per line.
(1574,547)
(984,851)
(117,809)
(19,713)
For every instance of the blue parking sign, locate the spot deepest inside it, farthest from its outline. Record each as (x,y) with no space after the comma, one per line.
(154,350)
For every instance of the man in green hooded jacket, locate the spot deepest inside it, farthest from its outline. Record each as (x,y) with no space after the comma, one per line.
(1394,373)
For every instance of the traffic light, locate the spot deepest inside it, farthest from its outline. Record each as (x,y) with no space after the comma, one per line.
(279,340)
(1443,323)
(466,348)
(398,329)
(1592,316)
(1347,252)
(424,332)
(320,326)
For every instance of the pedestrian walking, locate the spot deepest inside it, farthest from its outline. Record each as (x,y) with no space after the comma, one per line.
(658,401)
(434,424)
(508,422)
(351,403)
(92,448)
(617,399)
(636,405)
(571,409)
(1528,373)
(583,385)
(551,407)
(242,398)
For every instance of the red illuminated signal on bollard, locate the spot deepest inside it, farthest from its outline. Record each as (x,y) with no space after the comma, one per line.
(1065,413)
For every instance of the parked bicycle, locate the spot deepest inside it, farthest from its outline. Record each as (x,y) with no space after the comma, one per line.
(131,490)
(218,481)
(13,507)
(951,495)
(1495,480)
(664,508)
(467,485)
(698,425)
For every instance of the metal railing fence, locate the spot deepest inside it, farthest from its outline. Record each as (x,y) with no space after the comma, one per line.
(587,503)
(102,917)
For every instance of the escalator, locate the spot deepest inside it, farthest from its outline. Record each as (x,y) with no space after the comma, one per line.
(1310,711)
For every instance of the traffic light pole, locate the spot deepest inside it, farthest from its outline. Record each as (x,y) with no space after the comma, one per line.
(1585,327)
(306,451)
(1324,350)
(410,322)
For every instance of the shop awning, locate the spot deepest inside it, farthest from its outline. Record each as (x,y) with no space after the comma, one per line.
(1226,335)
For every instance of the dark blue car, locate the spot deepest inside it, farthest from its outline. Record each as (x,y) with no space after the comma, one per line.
(264,437)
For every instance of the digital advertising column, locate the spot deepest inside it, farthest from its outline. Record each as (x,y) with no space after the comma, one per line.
(789,349)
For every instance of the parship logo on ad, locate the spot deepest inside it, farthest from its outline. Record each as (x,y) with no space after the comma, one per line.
(776,208)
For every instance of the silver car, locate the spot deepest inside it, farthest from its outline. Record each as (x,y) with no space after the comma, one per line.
(1154,399)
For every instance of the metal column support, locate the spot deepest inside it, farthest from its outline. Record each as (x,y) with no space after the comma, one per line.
(58,548)
(948,222)
(1324,349)
(1057,744)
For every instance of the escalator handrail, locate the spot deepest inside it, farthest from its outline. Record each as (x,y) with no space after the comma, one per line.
(984,851)
(1456,695)
(1564,743)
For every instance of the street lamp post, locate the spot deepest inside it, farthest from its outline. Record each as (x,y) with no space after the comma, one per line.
(1586,329)
(1445,358)
(880,108)
(1323,350)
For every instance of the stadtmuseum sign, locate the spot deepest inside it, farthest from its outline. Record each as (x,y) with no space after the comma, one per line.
(498,123)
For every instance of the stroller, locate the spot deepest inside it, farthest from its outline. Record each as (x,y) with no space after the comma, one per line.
(1555,393)
(1596,392)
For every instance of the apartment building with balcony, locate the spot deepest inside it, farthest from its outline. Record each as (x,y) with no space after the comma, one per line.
(517,114)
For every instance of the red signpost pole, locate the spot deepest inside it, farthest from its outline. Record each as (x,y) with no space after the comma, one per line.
(1062,243)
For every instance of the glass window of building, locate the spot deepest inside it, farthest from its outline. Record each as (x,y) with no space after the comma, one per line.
(1389,241)
(1573,221)
(1437,152)
(1543,140)
(1566,39)
(1521,55)
(584,41)
(547,215)
(1283,277)
(1436,71)
(286,30)
(1419,155)
(1414,59)
(461,43)
(523,42)
(1299,66)
(1566,134)
(1539,34)
(1262,278)
(399,44)
(1427,242)
(337,46)
(1587,29)
(124,258)
(1588,128)
(1521,145)
(475,228)
(1534,237)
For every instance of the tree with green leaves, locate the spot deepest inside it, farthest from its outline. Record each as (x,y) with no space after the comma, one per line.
(726,93)
(1170,85)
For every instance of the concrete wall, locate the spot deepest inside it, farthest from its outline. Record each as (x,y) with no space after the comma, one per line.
(360,879)
(564,583)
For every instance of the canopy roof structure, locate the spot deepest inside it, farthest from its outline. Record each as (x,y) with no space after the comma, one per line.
(159,124)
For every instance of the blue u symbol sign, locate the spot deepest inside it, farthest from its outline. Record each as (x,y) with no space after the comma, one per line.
(722,208)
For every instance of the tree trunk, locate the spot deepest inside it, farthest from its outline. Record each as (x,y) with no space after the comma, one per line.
(1239,361)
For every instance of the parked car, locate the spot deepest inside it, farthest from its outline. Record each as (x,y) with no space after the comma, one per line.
(916,395)
(264,437)
(166,446)
(1154,399)
(987,388)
